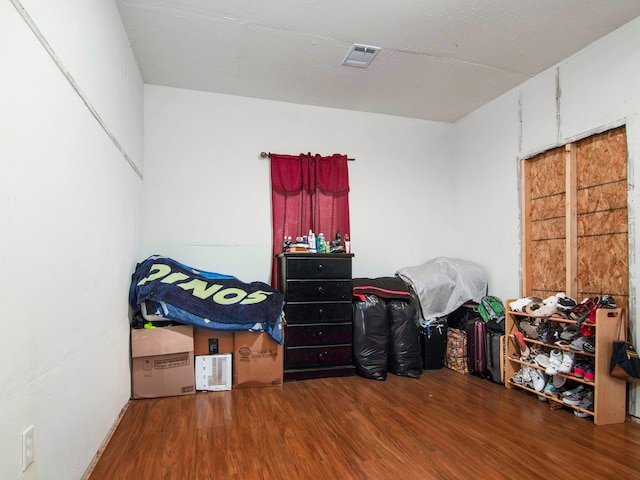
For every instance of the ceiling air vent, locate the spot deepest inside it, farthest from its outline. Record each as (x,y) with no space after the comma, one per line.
(360,55)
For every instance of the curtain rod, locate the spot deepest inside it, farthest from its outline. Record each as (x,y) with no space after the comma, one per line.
(268,155)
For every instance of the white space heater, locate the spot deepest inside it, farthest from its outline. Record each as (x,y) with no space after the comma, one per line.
(213,372)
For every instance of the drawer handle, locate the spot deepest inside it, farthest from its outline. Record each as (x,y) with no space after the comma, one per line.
(319,267)
(320,290)
(321,313)
(320,333)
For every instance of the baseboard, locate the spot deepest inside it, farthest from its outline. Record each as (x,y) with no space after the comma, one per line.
(105,442)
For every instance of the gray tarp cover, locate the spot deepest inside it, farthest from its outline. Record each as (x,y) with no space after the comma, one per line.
(444,284)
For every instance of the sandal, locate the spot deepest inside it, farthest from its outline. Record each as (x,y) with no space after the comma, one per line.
(521,345)
(578,343)
(569,333)
(529,329)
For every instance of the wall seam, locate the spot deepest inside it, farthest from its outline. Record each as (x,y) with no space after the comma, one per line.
(58,62)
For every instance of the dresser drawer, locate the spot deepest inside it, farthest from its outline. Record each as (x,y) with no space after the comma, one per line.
(325,356)
(317,290)
(317,312)
(318,334)
(319,267)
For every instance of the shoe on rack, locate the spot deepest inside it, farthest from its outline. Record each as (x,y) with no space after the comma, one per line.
(587,331)
(552,332)
(522,345)
(518,305)
(573,399)
(538,380)
(578,369)
(558,382)
(542,359)
(567,362)
(589,373)
(555,360)
(589,345)
(573,391)
(586,402)
(550,388)
(581,311)
(578,343)
(569,333)
(530,329)
(565,303)
(582,399)
(606,301)
(522,376)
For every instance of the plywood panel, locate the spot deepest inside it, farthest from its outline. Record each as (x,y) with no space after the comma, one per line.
(548,207)
(602,158)
(548,265)
(602,223)
(547,173)
(602,265)
(552,228)
(603,197)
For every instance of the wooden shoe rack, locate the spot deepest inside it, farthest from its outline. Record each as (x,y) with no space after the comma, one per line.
(609,392)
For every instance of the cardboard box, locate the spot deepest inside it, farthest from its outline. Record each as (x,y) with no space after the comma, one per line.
(162,362)
(257,361)
(212,342)
(213,372)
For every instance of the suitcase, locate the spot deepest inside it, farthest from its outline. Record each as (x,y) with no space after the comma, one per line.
(476,347)
(503,358)
(495,356)
(433,340)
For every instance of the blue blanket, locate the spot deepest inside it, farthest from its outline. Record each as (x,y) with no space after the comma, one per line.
(170,290)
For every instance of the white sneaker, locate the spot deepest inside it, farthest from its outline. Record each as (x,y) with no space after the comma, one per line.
(522,376)
(542,359)
(537,379)
(567,362)
(555,360)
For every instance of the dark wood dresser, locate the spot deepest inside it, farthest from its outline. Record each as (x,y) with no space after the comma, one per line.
(319,328)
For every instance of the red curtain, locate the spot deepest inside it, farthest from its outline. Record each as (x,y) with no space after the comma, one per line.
(308,192)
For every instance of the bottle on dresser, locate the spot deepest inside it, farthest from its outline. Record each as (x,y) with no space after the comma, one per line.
(311,238)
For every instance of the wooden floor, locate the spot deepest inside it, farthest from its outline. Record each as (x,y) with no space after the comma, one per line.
(443,426)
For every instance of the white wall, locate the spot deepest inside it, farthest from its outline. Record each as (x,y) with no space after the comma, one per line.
(598,90)
(207,192)
(69,204)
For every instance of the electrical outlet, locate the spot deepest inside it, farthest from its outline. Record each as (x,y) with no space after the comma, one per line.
(27,447)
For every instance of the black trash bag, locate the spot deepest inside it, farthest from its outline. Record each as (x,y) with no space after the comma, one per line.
(371,337)
(405,356)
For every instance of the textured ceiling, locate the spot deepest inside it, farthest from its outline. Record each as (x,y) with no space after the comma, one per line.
(440,59)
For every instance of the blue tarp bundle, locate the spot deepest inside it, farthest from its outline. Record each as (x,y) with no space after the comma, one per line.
(162,288)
